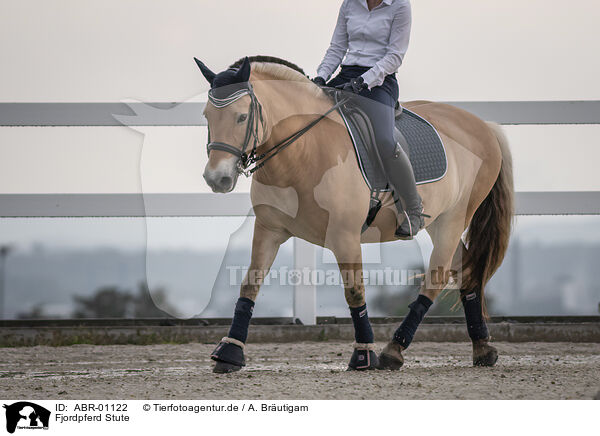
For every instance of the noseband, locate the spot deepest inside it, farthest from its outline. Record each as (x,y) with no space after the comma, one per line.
(255,117)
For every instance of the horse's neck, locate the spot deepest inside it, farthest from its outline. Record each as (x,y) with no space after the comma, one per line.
(289,106)
(284,100)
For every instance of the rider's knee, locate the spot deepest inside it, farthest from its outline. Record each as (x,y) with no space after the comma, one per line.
(387,147)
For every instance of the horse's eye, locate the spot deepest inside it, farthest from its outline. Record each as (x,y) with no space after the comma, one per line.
(242,118)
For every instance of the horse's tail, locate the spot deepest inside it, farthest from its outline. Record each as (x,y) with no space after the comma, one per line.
(489,231)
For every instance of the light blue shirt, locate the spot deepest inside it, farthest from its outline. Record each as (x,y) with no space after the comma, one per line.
(377,39)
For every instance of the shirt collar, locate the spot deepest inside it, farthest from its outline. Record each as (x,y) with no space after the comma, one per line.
(385,2)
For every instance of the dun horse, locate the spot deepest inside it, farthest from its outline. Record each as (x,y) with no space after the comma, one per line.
(267,118)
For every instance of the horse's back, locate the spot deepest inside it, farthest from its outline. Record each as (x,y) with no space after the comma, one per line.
(462,126)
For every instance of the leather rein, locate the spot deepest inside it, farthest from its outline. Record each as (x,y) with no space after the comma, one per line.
(250,162)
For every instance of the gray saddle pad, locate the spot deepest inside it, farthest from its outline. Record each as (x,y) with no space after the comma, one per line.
(418,138)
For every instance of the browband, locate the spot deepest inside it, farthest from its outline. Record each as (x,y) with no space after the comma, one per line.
(222,102)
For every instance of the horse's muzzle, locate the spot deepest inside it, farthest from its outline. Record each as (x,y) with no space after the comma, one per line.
(222,185)
(222,179)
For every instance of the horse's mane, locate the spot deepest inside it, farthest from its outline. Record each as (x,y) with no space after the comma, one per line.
(278,68)
(271,60)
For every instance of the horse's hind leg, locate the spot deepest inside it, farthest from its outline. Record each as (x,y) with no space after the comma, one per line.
(483,353)
(346,248)
(445,233)
(229,354)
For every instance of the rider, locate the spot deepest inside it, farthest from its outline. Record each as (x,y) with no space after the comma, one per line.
(371,38)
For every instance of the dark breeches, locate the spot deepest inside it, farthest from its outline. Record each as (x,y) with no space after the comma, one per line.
(378,104)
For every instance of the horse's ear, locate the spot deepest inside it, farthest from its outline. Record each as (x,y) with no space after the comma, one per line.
(244,71)
(206,72)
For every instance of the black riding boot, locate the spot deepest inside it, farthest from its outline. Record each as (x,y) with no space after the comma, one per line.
(408,201)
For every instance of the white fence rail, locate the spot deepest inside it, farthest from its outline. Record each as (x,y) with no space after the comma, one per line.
(190,114)
(234,204)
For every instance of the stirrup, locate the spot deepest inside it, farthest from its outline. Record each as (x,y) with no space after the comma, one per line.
(401,233)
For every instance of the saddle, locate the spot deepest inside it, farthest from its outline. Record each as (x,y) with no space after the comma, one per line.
(417,137)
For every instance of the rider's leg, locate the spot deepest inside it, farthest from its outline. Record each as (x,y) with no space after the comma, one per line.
(379,106)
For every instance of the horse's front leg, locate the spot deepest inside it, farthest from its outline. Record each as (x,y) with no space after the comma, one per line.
(229,354)
(346,248)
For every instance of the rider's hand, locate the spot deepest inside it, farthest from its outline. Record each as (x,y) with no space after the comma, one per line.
(319,81)
(355,85)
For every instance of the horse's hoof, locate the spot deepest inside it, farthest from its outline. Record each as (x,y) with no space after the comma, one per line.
(363,360)
(391,357)
(229,357)
(225,368)
(484,354)
(387,361)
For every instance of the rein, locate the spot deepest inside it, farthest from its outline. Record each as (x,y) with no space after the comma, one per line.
(255,116)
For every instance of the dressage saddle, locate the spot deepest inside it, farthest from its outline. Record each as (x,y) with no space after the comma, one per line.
(417,137)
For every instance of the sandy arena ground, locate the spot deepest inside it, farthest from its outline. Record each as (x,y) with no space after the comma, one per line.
(298,371)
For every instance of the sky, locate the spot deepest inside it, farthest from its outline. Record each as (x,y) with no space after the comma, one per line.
(111,50)
(69,50)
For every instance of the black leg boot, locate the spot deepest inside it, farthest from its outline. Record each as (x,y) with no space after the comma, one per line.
(400,175)
(229,354)
(391,355)
(364,356)
(483,353)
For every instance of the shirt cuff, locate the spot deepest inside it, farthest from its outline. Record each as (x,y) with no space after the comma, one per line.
(324,74)
(370,78)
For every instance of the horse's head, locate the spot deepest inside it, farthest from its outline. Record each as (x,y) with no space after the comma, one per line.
(235,122)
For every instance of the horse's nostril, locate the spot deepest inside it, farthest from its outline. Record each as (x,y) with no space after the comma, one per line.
(225,181)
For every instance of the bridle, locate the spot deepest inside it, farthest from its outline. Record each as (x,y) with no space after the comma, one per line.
(254,117)
(250,162)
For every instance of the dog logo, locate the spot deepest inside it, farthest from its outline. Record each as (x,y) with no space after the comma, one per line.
(26,415)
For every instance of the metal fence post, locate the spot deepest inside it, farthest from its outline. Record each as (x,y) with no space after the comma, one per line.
(305,292)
